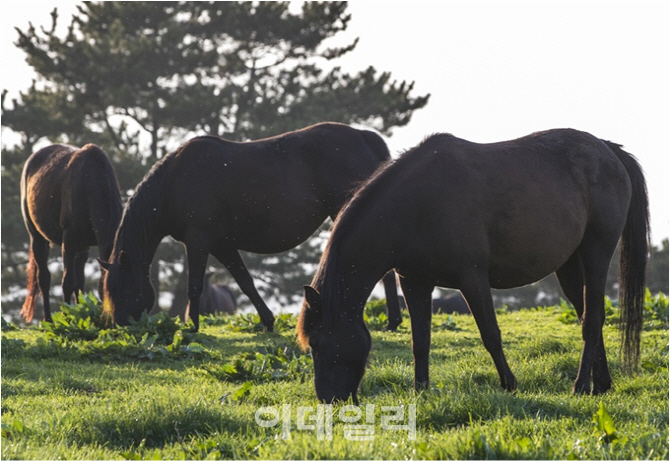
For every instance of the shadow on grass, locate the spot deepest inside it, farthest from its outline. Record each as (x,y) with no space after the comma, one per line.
(464,409)
(156,427)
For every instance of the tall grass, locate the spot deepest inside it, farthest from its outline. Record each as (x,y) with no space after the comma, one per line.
(153,390)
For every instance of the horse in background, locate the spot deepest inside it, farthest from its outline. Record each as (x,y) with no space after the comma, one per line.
(216,298)
(470,216)
(70,198)
(218,197)
(452,304)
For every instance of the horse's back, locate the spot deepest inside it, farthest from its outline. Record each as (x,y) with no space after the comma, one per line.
(48,161)
(57,184)
(41,190)
(300,152)
(246,190)
(503,204)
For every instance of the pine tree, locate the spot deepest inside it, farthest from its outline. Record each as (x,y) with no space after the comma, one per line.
(140,78)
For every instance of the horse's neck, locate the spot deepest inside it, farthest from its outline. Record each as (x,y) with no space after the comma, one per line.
(139,238)
(348,283)
(105,229)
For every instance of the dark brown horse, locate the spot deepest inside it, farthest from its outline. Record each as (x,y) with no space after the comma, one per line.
(219,197)
(217,298)
(469,216)
(69,197)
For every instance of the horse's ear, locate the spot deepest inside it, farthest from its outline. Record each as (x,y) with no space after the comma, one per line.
(104,265)
(313,299)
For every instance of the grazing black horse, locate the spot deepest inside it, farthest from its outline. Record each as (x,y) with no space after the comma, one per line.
(69,197)
(219,197)
(469,216)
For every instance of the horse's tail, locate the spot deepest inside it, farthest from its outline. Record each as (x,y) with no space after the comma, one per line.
(28,309)
(377,144)
(633,260)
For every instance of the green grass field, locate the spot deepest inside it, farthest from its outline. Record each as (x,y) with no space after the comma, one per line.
(156,391)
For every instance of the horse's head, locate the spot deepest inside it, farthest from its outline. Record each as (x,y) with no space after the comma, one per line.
(127,289)
(339,349)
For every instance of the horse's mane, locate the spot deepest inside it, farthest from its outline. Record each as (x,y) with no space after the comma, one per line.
(329,267)
(143,210)
(381,179)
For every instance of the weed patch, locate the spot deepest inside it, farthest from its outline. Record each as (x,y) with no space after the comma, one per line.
(287,363)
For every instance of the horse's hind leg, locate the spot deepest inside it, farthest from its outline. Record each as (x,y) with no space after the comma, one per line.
(595,261)
(235,265)
(40,249)
(477,292)
(73,274)
(392,304)
(571,278)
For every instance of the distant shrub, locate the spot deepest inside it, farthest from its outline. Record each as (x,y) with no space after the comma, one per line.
(656,310)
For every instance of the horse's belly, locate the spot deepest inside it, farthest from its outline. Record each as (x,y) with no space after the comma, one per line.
(515,278)
(267,233)
(527,261)
(275,238)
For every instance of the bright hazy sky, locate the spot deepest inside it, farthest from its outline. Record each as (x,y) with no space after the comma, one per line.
(495,70)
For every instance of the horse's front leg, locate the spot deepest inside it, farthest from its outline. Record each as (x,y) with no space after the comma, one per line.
(418,297)
(233,261)
(197,263)
(477,292)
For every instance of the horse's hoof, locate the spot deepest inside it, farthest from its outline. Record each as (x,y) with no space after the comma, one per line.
(601,388)
(509,384)
(420,386)
(581,389)
(393,325)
